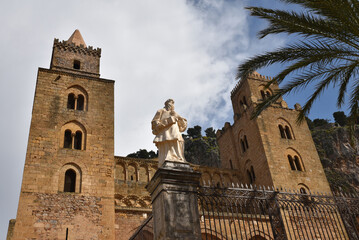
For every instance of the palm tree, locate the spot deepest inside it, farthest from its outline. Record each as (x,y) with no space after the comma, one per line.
(326,52)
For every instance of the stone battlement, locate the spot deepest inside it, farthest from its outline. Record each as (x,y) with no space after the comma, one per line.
(253,76)
(72,47)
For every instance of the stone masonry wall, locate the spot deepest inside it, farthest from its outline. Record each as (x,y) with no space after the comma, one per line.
(267,151)
(47,159)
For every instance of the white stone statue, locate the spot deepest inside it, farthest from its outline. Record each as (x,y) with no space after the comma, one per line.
(167,125)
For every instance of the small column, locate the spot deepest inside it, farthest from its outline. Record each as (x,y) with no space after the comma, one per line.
(173,190)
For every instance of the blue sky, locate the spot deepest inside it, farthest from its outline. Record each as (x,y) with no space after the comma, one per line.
(154,50)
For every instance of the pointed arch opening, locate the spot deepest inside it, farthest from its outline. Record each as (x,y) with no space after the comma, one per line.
(68,139)
(71,101)
(285,129)
(295,160)
(80,102)
(77,98)
(73,136)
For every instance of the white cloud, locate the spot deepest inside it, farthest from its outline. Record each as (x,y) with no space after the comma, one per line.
(155,50)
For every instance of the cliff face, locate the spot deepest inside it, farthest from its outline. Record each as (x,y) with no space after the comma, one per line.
(202,151)
(339,158)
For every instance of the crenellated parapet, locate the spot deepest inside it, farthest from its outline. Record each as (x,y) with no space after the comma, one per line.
(252,76)
(72,47)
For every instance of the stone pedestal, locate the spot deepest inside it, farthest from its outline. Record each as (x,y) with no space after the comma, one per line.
(174,202)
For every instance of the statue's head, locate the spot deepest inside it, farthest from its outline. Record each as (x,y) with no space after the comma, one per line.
(169,104)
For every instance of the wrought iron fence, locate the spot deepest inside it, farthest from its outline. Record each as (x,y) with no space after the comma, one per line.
(145,231)
(258,214)
(262,213)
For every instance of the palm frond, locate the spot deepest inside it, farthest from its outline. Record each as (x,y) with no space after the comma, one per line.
(327,53)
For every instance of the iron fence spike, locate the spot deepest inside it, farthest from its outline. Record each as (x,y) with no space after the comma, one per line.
(246,185)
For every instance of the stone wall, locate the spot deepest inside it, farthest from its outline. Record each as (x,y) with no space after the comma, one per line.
(258,149)
(89,210)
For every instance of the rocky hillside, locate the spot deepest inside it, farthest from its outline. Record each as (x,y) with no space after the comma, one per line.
(339,158)
(202,151)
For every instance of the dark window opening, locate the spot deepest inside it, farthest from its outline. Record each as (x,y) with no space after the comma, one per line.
(78,140)
(244,101)
(71,101)
(68,139)
(230,163)
(80,102)
(291,162)
(70,181)
(297,163)
(246,142)
(250,177)
(287,132)
(281,130)
(263,95)
(77,64)
(253,175)
(243,146)
(131,178)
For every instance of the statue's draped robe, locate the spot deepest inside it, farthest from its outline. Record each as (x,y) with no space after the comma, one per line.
(168,138)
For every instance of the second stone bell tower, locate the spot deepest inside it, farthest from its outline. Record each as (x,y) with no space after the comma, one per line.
(67,189)
(272,149)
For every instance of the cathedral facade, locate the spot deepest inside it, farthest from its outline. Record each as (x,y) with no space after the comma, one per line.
(74,187)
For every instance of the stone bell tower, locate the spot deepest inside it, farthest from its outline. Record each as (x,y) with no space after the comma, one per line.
(67,189)
(271,150)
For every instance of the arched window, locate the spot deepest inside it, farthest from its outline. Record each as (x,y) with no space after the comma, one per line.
(74,135)
(291,162)
(249,177)
(70,181)
(68,139)
(77,98)
(297,163)
(303,190)
(71,101)
(78,140)
(80,102)
(246,142)
(263,95)
(281,130)
(253,174)
(287,132)
(243,142)
(243,146)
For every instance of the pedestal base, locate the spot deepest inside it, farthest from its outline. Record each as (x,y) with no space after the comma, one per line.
(173,190)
